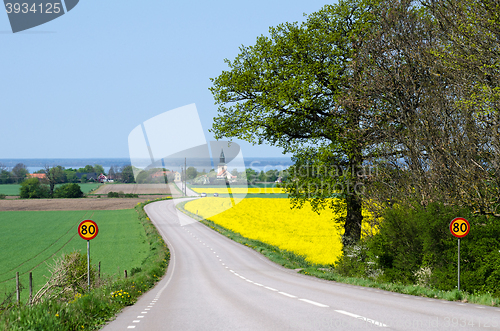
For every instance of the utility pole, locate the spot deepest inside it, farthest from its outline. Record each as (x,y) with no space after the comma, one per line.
(185,177)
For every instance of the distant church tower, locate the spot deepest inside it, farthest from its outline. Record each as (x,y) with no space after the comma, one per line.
(222,167)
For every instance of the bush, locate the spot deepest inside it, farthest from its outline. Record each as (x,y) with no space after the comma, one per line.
(121,195)
(68,191)
(414,245)
(2,196)
(32,189)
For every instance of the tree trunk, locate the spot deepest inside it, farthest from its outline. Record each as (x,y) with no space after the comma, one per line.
(352,226)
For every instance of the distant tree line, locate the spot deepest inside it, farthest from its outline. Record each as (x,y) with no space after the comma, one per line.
(15,176)
(32,188)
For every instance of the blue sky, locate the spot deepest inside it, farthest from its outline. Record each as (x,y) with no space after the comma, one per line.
(77,86)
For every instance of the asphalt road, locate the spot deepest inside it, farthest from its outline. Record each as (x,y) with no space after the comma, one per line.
(213,283)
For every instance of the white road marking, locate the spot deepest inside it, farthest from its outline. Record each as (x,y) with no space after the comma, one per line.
(144,312)
(150,306)
(270,288)
(135,321)
(248,280)
(377,323)
(140,316)
(131,327)
(479,307)
(314,303)
(147,309)
(288,295)
(258,284)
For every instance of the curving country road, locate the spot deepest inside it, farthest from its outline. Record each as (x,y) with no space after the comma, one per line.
(213,283)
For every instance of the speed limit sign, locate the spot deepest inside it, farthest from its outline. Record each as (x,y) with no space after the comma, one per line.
(88,229)
(459,227)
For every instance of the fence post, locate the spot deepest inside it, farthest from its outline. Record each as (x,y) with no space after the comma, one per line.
(125,273)
(99,269)
(31,287)
(18,291)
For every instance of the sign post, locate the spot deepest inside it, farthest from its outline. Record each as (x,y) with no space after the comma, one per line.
(459,227)
(88,230)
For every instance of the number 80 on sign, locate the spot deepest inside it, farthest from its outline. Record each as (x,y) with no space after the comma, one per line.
(88,229)
(459,227)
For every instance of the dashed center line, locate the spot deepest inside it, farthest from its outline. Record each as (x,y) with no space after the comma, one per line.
(365,319)
(314,303)
(288,295)
(377,323)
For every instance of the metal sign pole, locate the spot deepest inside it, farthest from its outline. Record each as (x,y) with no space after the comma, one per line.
(88,263)
(459,264)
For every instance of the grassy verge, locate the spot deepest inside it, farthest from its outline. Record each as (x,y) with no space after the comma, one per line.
(293,261)
(90,310)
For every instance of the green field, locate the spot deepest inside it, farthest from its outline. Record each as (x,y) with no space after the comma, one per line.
(13,189)
(29,239)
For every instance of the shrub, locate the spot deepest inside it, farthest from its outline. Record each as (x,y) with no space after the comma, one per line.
(414,245)
(2,196)
(32,189)
(68,191)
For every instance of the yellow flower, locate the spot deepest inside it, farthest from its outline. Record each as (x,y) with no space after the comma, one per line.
(57,315)
(271,220)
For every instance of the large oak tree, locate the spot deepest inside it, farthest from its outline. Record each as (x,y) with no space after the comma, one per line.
(290,90)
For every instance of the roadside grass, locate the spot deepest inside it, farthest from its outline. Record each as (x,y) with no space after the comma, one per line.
(291,260)
(13,189)
(90,310)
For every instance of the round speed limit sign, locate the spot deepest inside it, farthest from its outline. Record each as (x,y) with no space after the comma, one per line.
(459,227)
(88,229)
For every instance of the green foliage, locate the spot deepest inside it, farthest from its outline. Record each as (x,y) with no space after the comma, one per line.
(191,173)
(19,172)
(33,189)
(290,90)
(83,179)
(122,195)
(413,239)
(127,175)
(71,176)
(2,196)
(76,273)
(6,177)
(70,190)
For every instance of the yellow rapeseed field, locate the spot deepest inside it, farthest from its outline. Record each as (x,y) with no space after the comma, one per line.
(272,221)
(238,190)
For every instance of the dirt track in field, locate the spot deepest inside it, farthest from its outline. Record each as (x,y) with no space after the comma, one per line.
(72,204)
(139,189)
